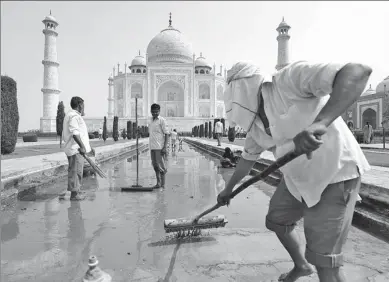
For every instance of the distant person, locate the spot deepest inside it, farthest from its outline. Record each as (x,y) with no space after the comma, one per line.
(173,137)
(367,133)
(229,160)
(218,131)
(159,138)
(76,139)
(100,133)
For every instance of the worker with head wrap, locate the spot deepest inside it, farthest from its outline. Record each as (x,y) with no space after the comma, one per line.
(299,108)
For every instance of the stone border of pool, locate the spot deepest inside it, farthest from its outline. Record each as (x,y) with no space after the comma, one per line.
(366,215)
(39,171)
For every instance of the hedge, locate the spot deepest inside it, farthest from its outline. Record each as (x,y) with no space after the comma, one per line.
(129,130)
(105,135)
(115,133)
(30,138)
(9,115)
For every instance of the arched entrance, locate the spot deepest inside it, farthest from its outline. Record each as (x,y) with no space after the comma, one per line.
(171,99)
(369,116)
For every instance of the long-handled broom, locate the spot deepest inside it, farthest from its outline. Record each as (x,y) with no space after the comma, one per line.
(192,227)
(95,167)
(136,187)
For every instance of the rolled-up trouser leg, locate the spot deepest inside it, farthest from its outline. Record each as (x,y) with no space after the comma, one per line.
(158,163)
(284,211)
(326,225)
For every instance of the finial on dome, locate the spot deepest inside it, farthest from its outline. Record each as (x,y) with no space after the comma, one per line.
(50,12)
(139,52)
(201,54)
(283,19)
(170,19)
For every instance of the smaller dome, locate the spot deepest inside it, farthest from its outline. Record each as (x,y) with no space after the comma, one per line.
(138,61)
(381,86)
(50,18)
(369,91)
(201,62)
(283,24)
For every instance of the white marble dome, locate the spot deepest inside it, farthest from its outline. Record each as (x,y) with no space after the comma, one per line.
(380,87)
(169,46)
(202,62)
(138,61)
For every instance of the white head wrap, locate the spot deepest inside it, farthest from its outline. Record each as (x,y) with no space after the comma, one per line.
(241,101)
(241,95)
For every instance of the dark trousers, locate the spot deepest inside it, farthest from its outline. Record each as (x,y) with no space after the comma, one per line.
(158,162)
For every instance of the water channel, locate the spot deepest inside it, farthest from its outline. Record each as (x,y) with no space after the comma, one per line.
(44,239)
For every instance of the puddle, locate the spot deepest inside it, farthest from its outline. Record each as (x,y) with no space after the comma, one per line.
(45,239)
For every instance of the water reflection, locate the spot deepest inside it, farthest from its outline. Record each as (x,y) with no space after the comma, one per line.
(9,227)
(125,230)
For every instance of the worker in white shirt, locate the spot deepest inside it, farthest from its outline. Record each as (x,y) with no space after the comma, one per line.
(299,108)
(158,142)
(218,131)
(76,138)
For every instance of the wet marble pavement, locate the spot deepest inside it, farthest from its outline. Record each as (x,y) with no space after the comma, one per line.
(44,239)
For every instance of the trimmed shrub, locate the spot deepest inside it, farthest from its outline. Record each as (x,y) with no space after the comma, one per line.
(210,133)
(206,130)
(133,130)
(115,133)
(59,121)
(129,130)
(124,134)
(201,130)
(9,115)
(96,134)
(91,136)
(30,138)
(231,134)
(105,135)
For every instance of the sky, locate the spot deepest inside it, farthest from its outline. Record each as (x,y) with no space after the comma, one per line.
(95,36)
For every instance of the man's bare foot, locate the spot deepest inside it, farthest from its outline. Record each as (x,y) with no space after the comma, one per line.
(296,273)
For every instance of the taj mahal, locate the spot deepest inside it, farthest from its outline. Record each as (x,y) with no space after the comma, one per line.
(189,89)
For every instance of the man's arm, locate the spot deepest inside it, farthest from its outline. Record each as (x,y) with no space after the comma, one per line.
(348,85)
(74,129)
(165,131)
(242,169)
(344,84)
(250,154)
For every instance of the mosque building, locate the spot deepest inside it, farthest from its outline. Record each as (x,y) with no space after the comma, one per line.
(189,90)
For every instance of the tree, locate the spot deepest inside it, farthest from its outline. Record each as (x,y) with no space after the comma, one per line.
(201,130)
(115,133)
(206,130)
(9,115)
(105,129)
(231,134)
(124,134)
(210,129)
(133,130)
(129,128)
(59,121)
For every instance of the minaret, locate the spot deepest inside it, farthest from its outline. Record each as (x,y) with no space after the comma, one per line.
(283,44)
(50,76)
(110,98)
